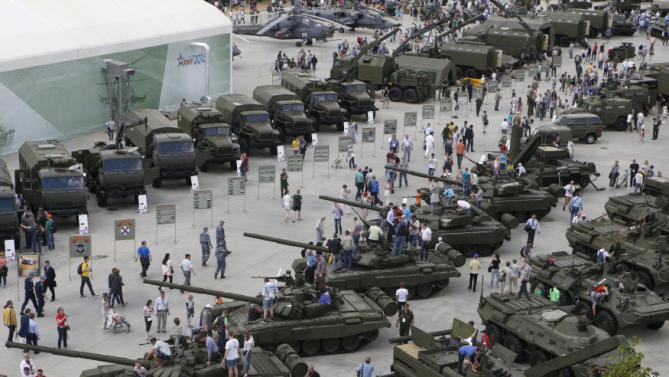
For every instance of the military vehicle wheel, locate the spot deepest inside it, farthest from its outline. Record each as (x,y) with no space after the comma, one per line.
(243,146)
(412,292)
(495,333)
(470,72)
(371,336)
(538,357)
(605,321)
(590,138)
(102,200)
(340,126)
(233,165)
(441,284)
(410,95)
(563,41)
(330,345)
(593,32)
(655,325)
(646,279)
(272,150)
(204,167)
(424,290)
(620,124)
(350,343)
(298,44)
(395,94)
(157,183)
(516,345)
(310,347)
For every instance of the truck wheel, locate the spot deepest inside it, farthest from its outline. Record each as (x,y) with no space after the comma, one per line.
(272,150)
(102,200)
(282,134)
(563,41)
(157,183)
(590,138)
(204,167)
(620,124)
(410,95)
(244,145)
(233,165)
(188,181)
(594,32)
(471,72)
(395,94)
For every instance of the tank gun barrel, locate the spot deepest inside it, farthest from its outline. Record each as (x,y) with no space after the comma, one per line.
(205,291)
(423,175)
(402,339)
(351,203)
(282,241)
(73,353)
(403,45)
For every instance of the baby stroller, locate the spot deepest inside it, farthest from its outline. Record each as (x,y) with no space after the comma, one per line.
(116,322)
(337,163)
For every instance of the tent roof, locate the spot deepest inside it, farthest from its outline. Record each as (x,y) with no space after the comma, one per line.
(37,32)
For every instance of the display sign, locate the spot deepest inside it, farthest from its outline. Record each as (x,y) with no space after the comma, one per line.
(27,264)
(195,182)
(236,186)
(166,214)
(545,68)
(280,154)
(477,92)
(80,246)
(344,143)
(463,99)
(322,153)
(492,86)
(446,104)
(428,112)
(411,119)
(557,61)
(520,75)
(266,173)
(203,199)
(390,126)
(369,135)
(124,229)
(506,82)
(83,224)
(142,204)
(295,163)
(10,250)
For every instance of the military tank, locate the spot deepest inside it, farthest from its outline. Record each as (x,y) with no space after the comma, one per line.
(536,329)
(636,248)
(436,354)
(375,267)
(351,321)
(503,198)
(628,303)
(652,204)
(469,234)
(283,362)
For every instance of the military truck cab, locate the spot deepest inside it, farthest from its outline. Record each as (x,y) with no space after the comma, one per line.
(322,104)
(168,152)
(354,97)
(112,172)
(9,222)
(286,111)
(48,177)
(249,121)
(213,139)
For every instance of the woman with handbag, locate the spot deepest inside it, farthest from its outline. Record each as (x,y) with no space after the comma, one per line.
(63,327)
(167,268)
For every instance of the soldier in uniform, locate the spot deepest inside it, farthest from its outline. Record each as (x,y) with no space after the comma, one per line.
(405,321)
(205,243)
(221,253)
(220,235)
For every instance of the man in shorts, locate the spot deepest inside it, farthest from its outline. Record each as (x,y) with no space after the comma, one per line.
(269,291)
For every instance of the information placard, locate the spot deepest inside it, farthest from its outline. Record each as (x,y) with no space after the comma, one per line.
(124,229)
(166,214)
(236,186)
(344,143)
(390,126)
(81,246)
(295,163)
(410,119)
(266,173)
(203,199)
(446,104)
(369,135)
(428,111)
(322,153)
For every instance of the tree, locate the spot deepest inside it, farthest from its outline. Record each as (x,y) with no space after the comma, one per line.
(626,362)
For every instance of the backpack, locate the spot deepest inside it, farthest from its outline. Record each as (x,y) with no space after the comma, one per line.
(80,268)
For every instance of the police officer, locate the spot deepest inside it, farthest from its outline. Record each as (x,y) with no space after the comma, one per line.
(205,243)
(221,253)
(220,235)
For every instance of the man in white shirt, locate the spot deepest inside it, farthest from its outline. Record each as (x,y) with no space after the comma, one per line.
(162,310)
(464,206)
(504,127)
(187,269)
(425,238)
(160,351)
(602,256)
(521,170)
(532,227)
(568,194)
(401,295)
(27,365)
(429,144)
(638,181)
(269,291)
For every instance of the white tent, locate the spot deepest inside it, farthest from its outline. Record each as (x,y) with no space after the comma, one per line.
(38,32)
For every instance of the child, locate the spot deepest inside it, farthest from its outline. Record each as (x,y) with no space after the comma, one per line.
(190,310)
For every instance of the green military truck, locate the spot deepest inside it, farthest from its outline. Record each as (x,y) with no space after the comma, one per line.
(353,97)
(168,152)
(520,44)
(472,59)
(48,177)
(612,111)
(600,20)
(567,27)
(639,96)
(249,121)
(322,104)
(112,172)
(213,138)
(286,111)
(9,221)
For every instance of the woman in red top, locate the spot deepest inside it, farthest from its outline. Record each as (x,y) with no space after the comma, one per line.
(61,321)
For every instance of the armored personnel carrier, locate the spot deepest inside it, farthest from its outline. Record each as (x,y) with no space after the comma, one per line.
(504,198)
(349,322)
(283,362)
(536,329)
(376,267)
(635,247)
(435,354)
(472,233)
(112,172)
(651,204)
(628,303)
(50,178)
(9,221)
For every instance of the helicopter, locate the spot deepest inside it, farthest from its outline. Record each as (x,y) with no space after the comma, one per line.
(291,25)
(358,16)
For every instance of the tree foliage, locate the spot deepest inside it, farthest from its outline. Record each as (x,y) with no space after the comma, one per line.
(626,362)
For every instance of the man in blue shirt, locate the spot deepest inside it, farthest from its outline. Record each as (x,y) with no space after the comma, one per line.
(212,349)
(144,255)
(310,271)
(466,352)
(465,181)
(366,369)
